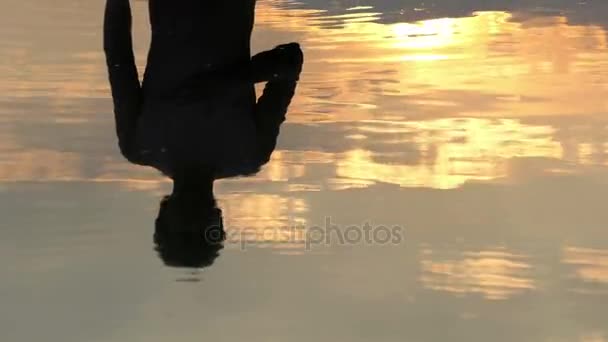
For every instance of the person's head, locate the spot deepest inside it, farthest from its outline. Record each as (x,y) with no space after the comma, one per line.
(188,239)
(188,249)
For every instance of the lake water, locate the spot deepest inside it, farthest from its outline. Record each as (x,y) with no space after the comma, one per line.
(477,128)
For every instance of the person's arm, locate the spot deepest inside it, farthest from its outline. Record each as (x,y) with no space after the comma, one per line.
(281,67)
(124,79)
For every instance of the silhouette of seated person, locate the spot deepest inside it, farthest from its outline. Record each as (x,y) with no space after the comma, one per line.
(195,117)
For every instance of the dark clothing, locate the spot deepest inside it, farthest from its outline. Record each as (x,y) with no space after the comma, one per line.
(192,39)
(197,105)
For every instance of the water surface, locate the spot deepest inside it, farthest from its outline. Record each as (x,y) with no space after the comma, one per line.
(479,128)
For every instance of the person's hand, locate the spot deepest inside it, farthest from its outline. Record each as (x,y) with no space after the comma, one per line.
(291,55)
(283,63)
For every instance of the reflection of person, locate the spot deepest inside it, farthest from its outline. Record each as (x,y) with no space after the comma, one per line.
(195,117)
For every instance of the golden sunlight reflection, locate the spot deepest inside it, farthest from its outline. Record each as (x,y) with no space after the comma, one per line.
(265,220)
(495,274)
(39,164)
(281,169)
(590,268)
(487,56)
(450,151)
(512,90)
(435,103)
(594,337)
